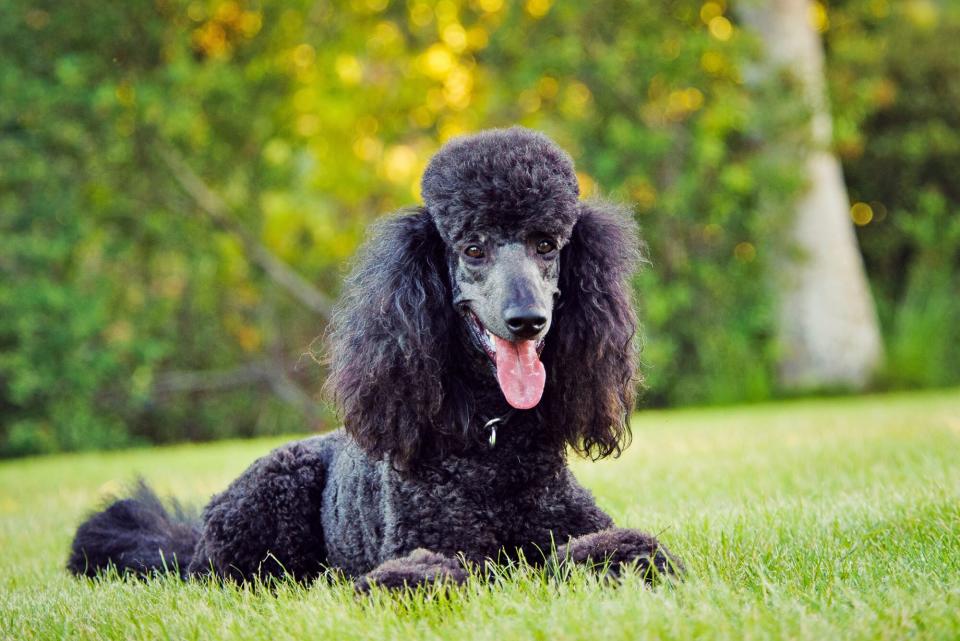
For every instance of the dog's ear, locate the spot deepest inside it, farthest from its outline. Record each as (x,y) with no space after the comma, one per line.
(591,355)
(390,340)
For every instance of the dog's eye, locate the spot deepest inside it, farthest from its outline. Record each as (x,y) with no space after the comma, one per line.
(474,251)
(545,246)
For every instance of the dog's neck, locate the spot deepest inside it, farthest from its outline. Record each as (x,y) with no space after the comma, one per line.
(525,450)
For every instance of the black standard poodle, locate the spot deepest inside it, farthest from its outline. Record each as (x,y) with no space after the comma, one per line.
(480,338)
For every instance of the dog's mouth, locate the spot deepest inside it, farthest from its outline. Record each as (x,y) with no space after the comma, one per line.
(520,373)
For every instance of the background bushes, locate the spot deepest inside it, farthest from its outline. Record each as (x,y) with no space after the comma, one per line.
(131,311)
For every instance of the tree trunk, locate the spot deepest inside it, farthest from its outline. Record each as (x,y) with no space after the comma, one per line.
(827,321)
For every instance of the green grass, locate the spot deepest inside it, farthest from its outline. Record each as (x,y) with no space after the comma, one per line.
(806,520)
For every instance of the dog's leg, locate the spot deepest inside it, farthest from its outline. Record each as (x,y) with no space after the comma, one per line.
(267,523)
(565,514)
(420,567)
(612,550)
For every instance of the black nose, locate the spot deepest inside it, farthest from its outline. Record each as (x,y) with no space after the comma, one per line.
(524,322)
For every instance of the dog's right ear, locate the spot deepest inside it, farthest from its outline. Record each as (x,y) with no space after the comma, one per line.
(390,341)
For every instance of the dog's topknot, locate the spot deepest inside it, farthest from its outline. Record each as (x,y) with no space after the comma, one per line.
(501,180)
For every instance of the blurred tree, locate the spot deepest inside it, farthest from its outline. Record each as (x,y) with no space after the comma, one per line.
(827,320)
(182,182)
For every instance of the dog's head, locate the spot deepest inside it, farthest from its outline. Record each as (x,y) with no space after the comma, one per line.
(505,203)
(504,276)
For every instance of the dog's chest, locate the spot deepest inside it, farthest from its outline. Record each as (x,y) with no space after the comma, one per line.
(475,505)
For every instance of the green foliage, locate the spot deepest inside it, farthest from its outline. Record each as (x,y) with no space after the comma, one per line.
(311,119)
(108,275)
(925,337)
(894,70)
(805,520)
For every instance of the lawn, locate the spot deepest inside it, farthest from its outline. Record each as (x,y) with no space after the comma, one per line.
(827,519)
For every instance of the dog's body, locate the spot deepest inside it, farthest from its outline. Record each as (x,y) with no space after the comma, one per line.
(456,432)
(355,514)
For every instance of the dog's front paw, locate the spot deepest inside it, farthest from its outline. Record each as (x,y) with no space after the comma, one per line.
(420,567)
(613,550)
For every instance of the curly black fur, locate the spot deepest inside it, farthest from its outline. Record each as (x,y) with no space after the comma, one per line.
(394,345)
(410,488)
(595,327)
(136,535)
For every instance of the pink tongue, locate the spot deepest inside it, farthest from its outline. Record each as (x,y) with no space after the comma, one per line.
(520,372)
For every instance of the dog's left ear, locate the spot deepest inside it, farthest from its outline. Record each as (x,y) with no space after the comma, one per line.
(591,356)
(390,342)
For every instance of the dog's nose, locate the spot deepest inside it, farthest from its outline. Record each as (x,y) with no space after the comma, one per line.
(524,322)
